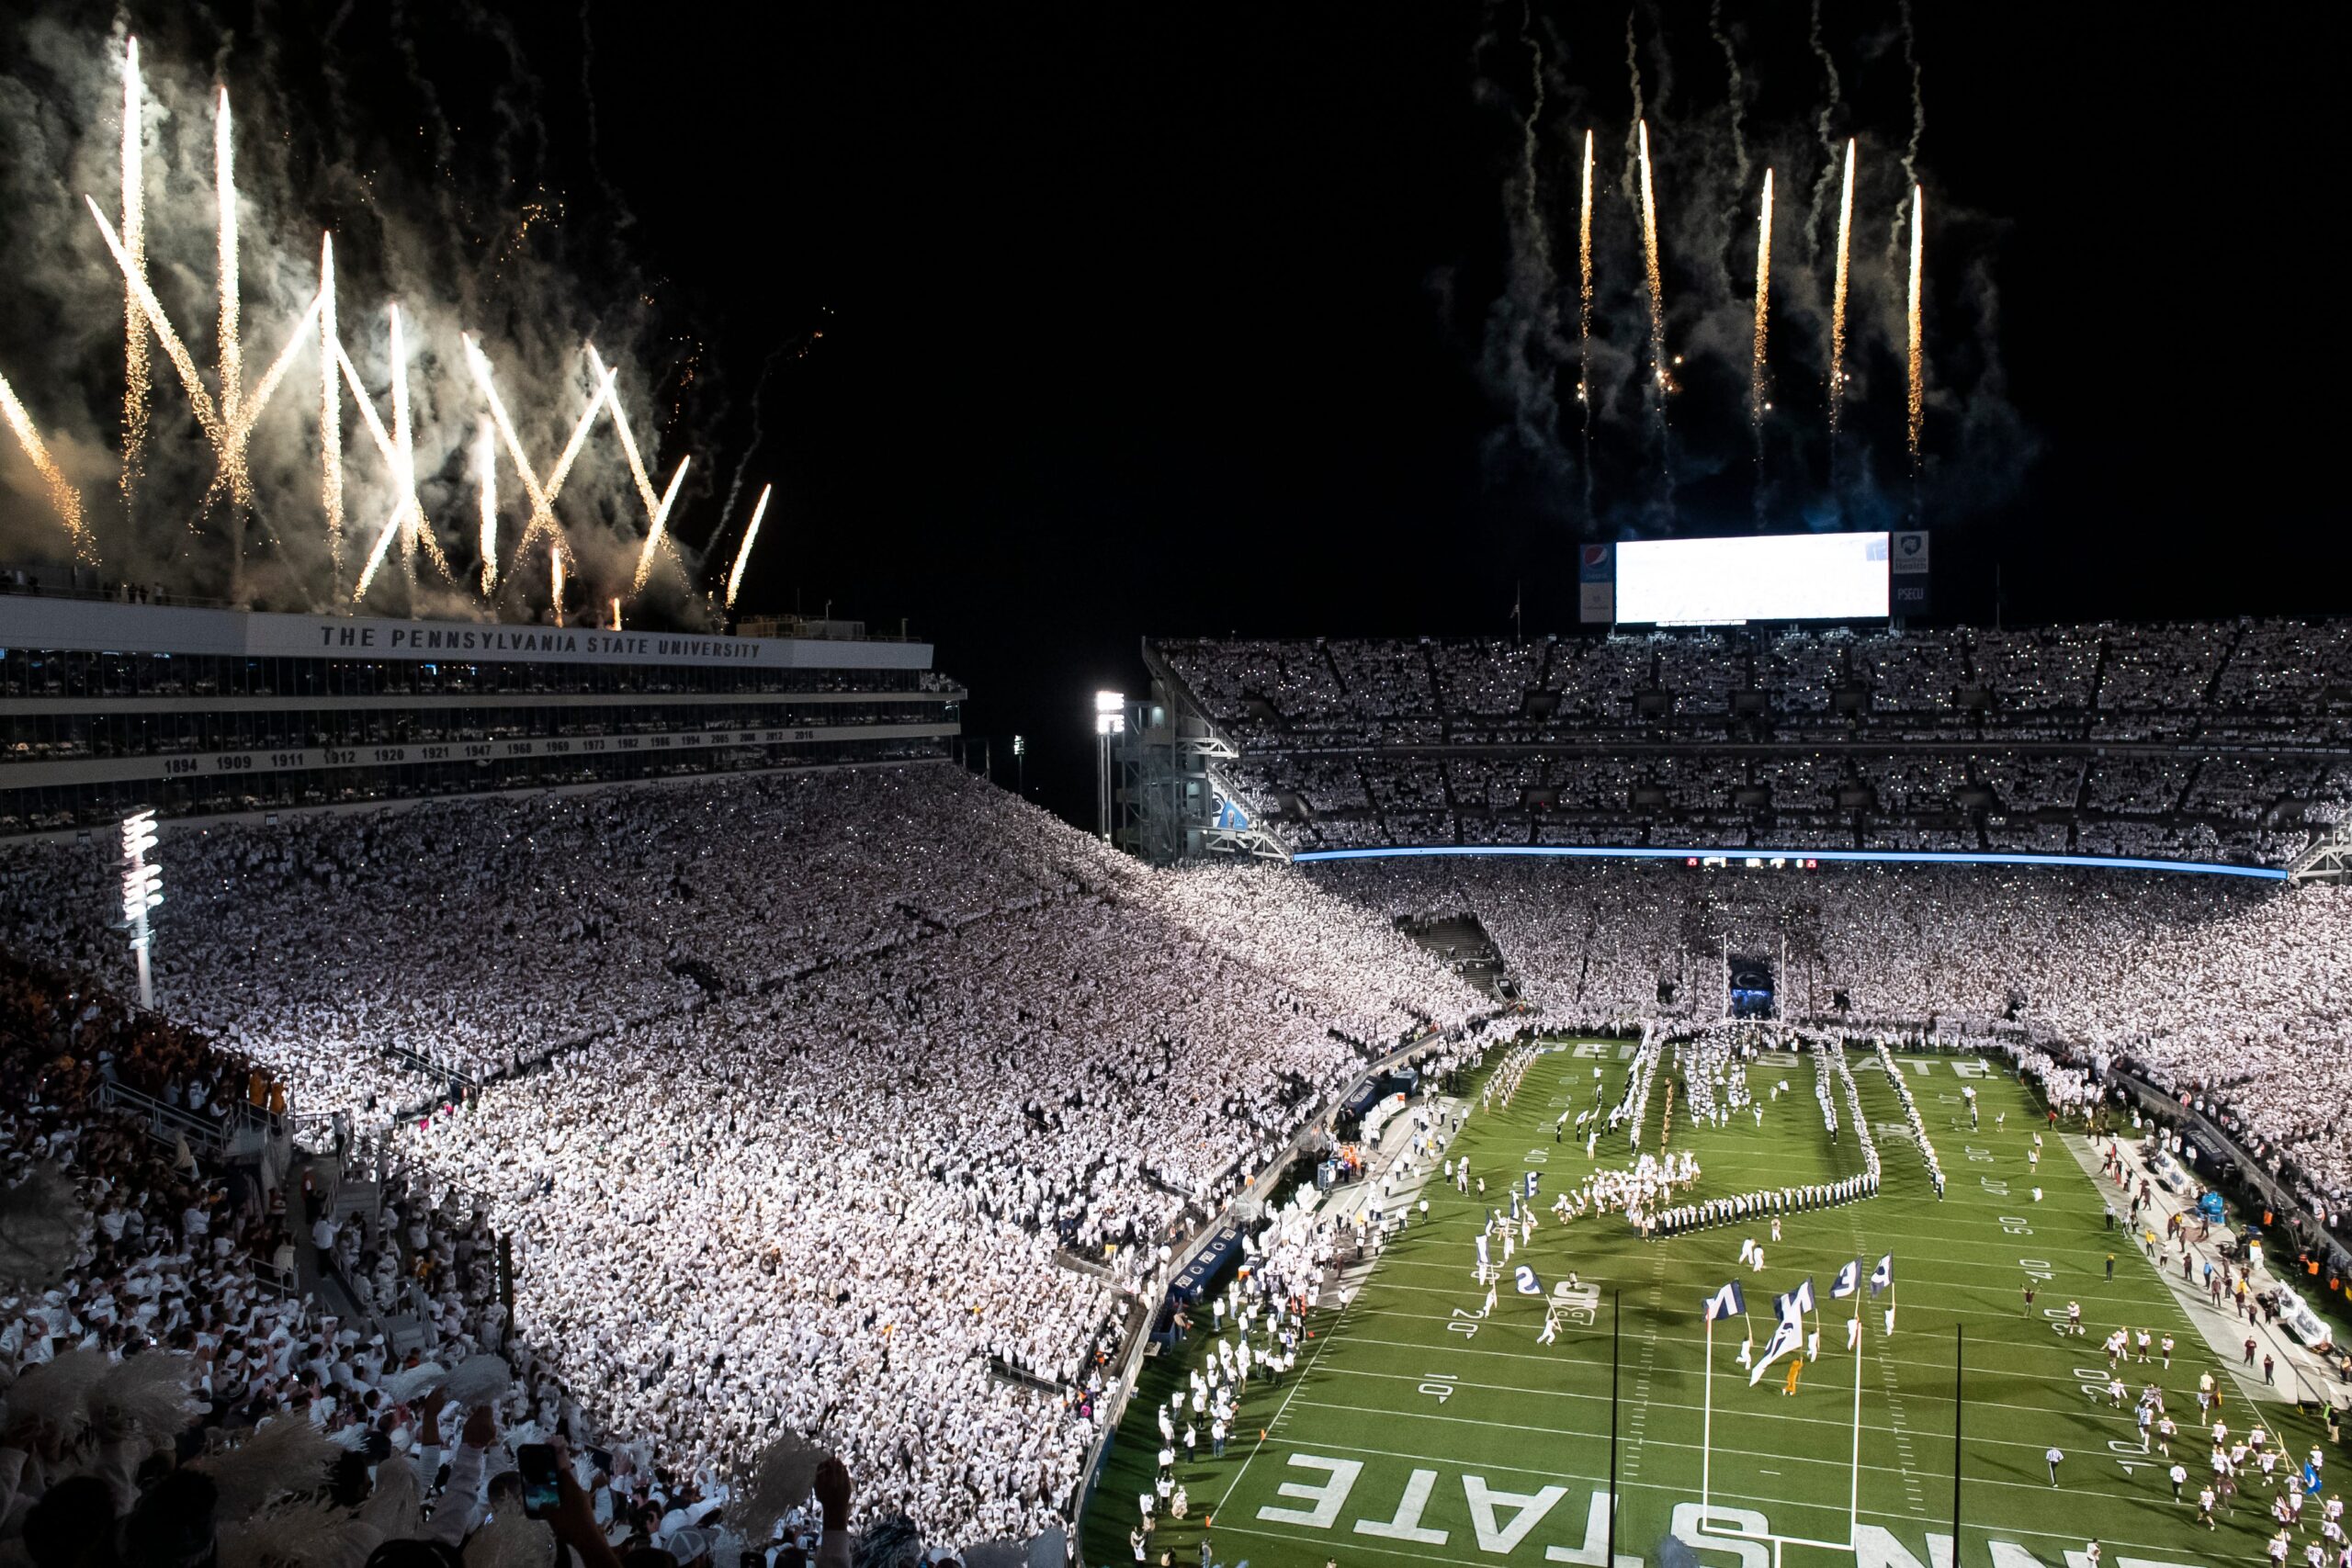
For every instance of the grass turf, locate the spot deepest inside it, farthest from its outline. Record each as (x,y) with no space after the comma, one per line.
(1413,1433)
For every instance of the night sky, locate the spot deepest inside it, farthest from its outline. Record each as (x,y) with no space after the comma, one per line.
(1135,330)
(1169,321)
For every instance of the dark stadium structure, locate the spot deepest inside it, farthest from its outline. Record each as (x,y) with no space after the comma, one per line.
(106,708)
(2218,743)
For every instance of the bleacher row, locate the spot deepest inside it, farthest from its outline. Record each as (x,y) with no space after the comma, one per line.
(2251,682)
(2222,741)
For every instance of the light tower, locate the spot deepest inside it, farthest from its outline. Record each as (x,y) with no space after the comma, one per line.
(1110,722)
(143,889)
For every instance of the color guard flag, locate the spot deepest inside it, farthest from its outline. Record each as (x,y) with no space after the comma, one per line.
(1482,1252)
(1531,1184)
(1884,1275)
(1514,1207)
(1526,1281)
(1785,1339)
(1848,1281)
(1795,1304)
(1726,1303)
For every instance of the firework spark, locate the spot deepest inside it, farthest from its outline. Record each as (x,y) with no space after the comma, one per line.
(1763,307)
(555,576)
(1918,377)
(136,378)
(407,520)
(1649,261)
(1838,297)
(1584,313)
(486,480)
(657,510)
(1584,261)
(743,550)
(654,536)
(419,535)
(230,346)
(62,494)
(403,452)
(199,398)
(542,495)
(330,413)
(616,612)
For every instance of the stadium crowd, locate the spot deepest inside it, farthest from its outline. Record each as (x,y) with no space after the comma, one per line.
(866,1110)
(2204,742)
(2239,996)
(854,1107)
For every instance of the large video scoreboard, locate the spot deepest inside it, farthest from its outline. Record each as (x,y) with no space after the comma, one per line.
(1756,577)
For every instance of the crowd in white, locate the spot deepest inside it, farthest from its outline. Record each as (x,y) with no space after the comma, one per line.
(2199,741)
(799,1097)
(2239,994)
(2241,680)
(839,1072)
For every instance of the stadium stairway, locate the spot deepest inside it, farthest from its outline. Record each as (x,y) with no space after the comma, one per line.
(1460,944)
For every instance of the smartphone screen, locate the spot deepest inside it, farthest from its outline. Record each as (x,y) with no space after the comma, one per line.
(537,1464)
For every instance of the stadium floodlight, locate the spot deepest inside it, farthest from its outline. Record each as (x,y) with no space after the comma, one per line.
(1110,719)
(143,889)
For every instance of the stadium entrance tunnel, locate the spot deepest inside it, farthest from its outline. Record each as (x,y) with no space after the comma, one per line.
(1462,945)
(1751,986)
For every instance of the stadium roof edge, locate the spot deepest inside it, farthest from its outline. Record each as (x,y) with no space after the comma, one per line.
(1896,857)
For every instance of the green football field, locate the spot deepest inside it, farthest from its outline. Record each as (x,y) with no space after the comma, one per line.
(1414,1431)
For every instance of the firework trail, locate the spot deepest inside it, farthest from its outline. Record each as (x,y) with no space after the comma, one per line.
(1530,190)
(743,550)
(403,455)
(1826,132)
(330,414)
(1758,381)
(654,536)
(486,481)
(62,494)
(758,432)
(616,612)
(1633,66)
(199,398)
(1919,378)
(1584,313)
(1738,90)
(656,511)
(420,535)
(555,576)
(1918,126)
(1649,262)
(1763,309)
(542,495)
(1838,300)
(407,522)
(232,350)
(136,379)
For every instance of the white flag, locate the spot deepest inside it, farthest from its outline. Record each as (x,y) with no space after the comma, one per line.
(1848,1281)
(1884,1275)
(1785,1339)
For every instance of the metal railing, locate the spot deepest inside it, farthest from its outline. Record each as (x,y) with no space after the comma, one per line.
(167,1123)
